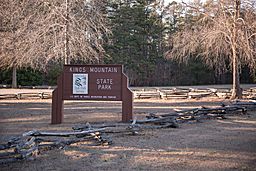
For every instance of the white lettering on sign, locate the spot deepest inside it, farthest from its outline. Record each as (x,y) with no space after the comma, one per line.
(112,97)
(103,69)
(96,97)
(104,83)
(77,69)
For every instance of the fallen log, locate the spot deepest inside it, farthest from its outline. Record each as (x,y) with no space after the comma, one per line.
(11,143)
(188,111)
(108,128)
(98,126)
(197,114)
(133,128)
(33,151)
(4,146)
(25,144)
(61,134)
(59,144)
(9,160)
(26,148)
(11,154)
(250,103)
(155,120)
(160,121)
(204,110)
(222,110)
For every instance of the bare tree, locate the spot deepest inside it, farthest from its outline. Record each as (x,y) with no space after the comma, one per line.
(12,23)
(34,32)
(223,30)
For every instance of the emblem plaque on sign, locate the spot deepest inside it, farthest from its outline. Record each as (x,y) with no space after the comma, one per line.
(80,83)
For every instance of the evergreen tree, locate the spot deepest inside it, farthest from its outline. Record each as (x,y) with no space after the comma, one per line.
(137,39)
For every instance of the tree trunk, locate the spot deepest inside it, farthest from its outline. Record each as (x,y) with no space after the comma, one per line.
(236,89)
(14,77)
(66,58)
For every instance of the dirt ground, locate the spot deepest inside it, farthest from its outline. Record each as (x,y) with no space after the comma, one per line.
(228,144)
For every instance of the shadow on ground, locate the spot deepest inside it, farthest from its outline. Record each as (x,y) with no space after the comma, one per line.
(211,145)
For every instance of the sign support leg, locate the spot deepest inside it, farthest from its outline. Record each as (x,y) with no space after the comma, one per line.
(57,103)
(127,101)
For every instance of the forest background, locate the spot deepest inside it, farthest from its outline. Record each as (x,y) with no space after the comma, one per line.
(137,34)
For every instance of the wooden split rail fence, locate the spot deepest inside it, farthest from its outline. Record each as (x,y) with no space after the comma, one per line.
(31,143)
(155,93)
(190,93)
(30,95)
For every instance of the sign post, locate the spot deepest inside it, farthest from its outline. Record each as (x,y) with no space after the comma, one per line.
(92,82)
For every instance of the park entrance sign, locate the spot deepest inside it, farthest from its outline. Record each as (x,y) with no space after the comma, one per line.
(92,82)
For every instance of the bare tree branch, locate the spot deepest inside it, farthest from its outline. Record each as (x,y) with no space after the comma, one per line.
(222,31)
(33,31)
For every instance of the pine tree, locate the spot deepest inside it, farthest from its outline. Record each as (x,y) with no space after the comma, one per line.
(137,39)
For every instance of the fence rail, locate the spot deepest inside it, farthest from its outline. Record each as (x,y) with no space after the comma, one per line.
(32,95)
(141,93)
(190,93)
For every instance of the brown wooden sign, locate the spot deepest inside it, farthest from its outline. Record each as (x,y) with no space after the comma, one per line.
(92,82)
